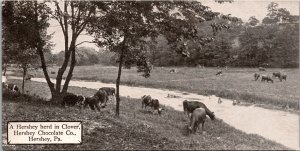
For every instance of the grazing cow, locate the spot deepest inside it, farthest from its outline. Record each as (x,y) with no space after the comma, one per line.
(276,74)
(93,102)
(266,78)
(102,97)
(155,105)
(283,77)
(12,87)
(110,92)
(198,116)
(172,71)
(190,106)
(219,72)
(261,69)
(71,99)
(146,101)
(256,76)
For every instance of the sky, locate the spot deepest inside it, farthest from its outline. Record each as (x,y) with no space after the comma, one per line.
(243,9)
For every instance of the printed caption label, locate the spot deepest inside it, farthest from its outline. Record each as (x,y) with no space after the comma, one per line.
(44,133)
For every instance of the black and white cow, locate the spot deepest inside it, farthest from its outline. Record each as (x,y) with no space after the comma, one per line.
(11,87)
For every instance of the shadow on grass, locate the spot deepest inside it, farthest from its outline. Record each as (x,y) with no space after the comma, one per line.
(134,129)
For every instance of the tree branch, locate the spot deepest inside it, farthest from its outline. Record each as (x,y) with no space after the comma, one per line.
(58,17)
(85,42)
(82,26)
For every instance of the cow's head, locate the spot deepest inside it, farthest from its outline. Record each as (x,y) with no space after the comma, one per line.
(81,100)
(160,110)
(15,88)
(185,102)
(4,85)
(212,117)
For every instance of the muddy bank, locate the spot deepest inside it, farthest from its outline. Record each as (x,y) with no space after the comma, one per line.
(280,126)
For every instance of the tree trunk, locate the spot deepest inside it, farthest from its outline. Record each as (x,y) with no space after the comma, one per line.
(41,53)
(118,83)
(56,96)
(24,74)
(72,65)
(64,66)
(5,68)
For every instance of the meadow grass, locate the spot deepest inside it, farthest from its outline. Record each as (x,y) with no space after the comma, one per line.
(134,129)
(235,83)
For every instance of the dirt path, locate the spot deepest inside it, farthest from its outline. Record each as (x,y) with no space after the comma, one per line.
(279,126)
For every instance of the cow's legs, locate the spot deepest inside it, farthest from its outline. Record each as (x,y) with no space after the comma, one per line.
(92,107)
(85,105)
(203,125)
(98,107)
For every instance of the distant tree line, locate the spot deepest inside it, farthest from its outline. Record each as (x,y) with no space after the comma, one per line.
(84,56)
(271,43)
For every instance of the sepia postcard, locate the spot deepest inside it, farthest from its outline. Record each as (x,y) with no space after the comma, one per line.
(150,75)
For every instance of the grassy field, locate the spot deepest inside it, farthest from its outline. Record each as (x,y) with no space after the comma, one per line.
(235,83)
(134,129)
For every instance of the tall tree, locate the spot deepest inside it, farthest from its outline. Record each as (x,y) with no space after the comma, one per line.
(72,16)
(127,28)
(19,39)
(276,15)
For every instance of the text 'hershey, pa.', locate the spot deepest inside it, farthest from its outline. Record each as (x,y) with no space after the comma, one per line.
(44,133)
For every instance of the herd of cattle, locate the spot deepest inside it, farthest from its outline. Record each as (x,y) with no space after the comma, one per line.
(98,100)
(268,78)
(195,110)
